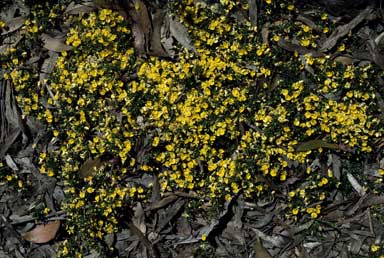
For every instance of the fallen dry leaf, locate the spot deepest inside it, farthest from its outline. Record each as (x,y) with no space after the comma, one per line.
(11,41)
(11,163)
(165,216)
(180,33)
(14,24)
(8,141)
(252,13)
(139,218)
(90,167)
(162,203)
(265,33)
(355,184)
(155,190)
(48,66)
(54,44)
(345,60)
(310,23)
(142,27)
(84,7)
(316,144)
(43,233)
(260,251)
(289,46)
(157,48)
(343,30)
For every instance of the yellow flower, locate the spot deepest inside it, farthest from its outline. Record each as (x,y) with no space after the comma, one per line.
(375,248)
(76,42)
(305,42)
(204,237)
(33,29)
(322,196)
(235,187)
(295,211)
(268,1)
(156,141)
(90,190)
(306,28)
(51,173)
(212,166)
(276,38)
(283,176)
(324,16)
(323,181)
(82,194)
(341,48)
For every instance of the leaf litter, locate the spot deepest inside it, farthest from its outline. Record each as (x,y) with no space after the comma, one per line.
(161,228)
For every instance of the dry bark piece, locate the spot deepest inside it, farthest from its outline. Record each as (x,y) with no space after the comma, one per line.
(43,233)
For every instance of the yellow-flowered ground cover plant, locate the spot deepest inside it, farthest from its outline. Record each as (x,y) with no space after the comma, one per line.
(221,121)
